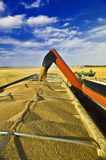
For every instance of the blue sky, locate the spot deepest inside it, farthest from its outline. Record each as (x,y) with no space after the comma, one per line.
(75,28)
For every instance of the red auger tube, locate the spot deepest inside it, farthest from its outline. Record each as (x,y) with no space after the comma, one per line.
(75,82)
(67,71)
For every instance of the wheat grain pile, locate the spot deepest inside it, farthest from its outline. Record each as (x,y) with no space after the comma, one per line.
(46,116)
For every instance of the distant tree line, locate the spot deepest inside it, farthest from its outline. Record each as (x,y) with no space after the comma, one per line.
(94,65)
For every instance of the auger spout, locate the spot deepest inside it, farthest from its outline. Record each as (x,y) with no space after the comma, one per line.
(53,56)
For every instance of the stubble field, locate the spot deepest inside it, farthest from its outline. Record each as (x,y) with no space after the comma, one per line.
(8,75)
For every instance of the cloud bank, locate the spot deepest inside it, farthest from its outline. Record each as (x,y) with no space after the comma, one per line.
(2,6)
(51,32)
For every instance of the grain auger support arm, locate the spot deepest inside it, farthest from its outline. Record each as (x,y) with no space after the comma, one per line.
(53,56)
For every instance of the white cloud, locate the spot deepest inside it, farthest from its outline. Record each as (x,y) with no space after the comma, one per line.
(55,33)
(66,24)
(92,50)
(97,32)
(97,29)
(33,44)
(11,22)
(72,44)
(36,4)
(8,40)
(75,27)
(11,41)
(69,19)
(2,6)
(22,57)
(87,43)
(49,32)
(101,19)
(79,52)
(41,20)
(33,5)
(54,41)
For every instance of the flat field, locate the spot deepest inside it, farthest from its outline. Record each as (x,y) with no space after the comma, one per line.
(8,75)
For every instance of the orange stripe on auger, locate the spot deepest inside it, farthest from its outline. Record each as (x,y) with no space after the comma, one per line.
(97,97)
